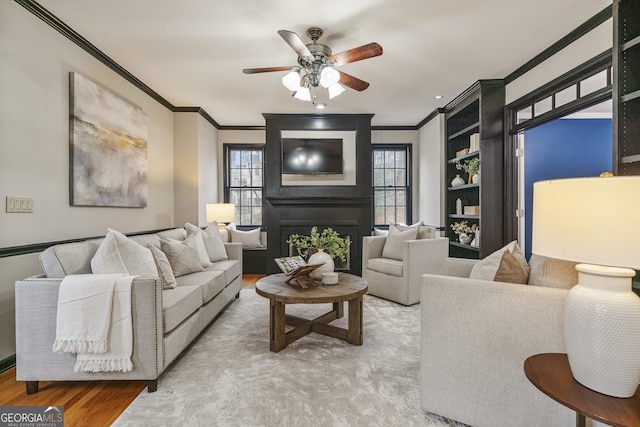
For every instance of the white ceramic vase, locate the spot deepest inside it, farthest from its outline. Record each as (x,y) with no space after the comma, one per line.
(321,257)
(457,181)
(602,330)
(475,179)
(464,238)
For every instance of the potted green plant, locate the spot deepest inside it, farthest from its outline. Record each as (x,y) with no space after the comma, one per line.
(321,248)
(329,240)
(471,167)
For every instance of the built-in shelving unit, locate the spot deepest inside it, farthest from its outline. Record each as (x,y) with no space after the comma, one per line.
(479,110)
(626,85)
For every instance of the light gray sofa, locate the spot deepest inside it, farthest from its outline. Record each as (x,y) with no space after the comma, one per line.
(165,321)
(476,335)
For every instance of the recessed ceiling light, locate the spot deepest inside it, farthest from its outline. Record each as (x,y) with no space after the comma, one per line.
(321,106)
(438,97)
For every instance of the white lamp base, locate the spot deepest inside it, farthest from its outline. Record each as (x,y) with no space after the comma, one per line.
(222,230)
(602,330)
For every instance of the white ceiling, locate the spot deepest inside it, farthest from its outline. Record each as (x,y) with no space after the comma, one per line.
(192,52)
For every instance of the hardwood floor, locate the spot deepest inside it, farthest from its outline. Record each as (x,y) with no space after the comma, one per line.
(86,403)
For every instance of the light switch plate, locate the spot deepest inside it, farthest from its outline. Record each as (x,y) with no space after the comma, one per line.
(19,204)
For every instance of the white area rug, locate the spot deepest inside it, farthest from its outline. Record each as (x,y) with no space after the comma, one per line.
(228,377)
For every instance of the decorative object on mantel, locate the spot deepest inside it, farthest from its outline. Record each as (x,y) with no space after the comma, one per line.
(316,70)
(471,167)
(589,220)
(464,231)
(316,244)
(221,213)
(108,143)
(457,181)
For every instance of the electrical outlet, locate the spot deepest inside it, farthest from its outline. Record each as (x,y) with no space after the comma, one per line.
(19,205)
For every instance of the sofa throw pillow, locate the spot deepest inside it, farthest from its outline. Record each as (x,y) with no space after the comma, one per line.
(196,242)
(214,247)
(380,232)
(487,268)
(119,254)
(183,259)
(249,239)
(424,231)
(510,270)
(165,272)
(552,273)
(393,244)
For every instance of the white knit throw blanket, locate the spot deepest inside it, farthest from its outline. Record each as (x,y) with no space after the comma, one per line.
(94,321)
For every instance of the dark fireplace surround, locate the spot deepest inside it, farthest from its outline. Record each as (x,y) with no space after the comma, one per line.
(347,209)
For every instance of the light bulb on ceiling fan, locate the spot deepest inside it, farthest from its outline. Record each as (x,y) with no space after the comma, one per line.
(291,80)
(329,77)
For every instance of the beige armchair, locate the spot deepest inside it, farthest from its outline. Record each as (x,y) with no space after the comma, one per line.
(476,335)
(397,278)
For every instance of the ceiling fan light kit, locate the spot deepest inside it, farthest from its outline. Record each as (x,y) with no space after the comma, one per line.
(317,67)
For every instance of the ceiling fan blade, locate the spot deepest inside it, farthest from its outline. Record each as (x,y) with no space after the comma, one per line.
(265,70)
(296,44)
(352,82)
(356,54)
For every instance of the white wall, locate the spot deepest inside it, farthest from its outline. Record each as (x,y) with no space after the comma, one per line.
(208,161)
(34,150)
(196,167)
(34,137)
(431,172)
(185,178)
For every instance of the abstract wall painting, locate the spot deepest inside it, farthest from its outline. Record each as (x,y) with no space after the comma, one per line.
(108,143)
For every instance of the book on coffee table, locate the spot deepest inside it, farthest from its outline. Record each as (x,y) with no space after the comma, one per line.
(291,264)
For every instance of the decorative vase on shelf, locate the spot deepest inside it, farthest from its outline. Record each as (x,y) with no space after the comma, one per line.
(321,257)
(602,338)
(457,181)
(464,238)
(476,239)
(475,178)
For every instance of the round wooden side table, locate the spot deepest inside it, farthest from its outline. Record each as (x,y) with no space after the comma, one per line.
(551,374)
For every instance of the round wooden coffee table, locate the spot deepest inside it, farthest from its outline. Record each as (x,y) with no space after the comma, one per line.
(349,288)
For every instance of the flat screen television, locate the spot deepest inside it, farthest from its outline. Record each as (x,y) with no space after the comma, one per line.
(312,156)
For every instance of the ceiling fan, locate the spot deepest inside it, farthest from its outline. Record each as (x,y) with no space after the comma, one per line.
(317,66)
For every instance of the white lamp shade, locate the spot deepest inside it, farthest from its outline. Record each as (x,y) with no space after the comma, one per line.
(588,220)
(335,90)
(329,76)
(291,81)
(221,212)
(303,94)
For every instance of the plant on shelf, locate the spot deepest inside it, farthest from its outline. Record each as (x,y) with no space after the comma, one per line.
(470,166)
(464,227)
(328,240)
(464,231)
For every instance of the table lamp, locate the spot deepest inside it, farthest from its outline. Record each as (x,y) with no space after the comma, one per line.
(594,221)
(222,213)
